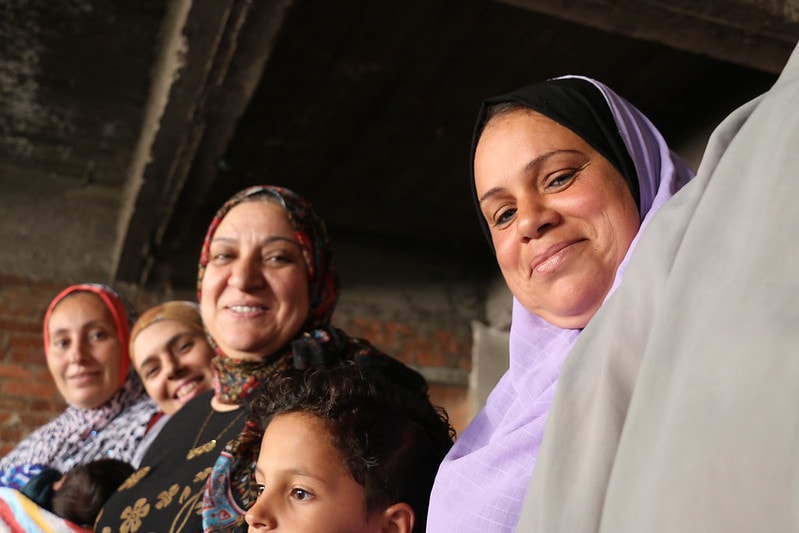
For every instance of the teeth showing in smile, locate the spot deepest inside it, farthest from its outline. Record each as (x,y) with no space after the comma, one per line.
(245,308)
(186,389)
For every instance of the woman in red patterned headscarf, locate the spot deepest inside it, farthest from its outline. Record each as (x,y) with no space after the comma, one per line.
(86,334)
(267,289)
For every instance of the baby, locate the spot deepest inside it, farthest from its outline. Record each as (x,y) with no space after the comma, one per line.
(79,494)
(344,449)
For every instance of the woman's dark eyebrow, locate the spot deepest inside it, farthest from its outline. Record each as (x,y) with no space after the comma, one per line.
(89,324)
(529,166)
(169,344)
(173,340)
(268,240)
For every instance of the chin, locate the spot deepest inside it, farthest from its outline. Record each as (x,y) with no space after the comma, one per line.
(85,404)
(576,317)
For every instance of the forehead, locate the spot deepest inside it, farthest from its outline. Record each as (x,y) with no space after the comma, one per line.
(296,430)
(260,216)
(517,125)
(515,142)
(163,330)
(80,306)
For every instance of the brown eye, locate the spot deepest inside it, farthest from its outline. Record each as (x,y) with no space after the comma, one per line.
(61,343)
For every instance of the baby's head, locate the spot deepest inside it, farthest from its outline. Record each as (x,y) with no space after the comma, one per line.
(345,449)
(81,492)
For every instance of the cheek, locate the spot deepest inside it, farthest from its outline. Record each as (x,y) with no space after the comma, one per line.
(623,225)
(200,358)
(212,279)
(155,390)
(507,252)
(294,292)
(111,355)
(207,299)
(56,365)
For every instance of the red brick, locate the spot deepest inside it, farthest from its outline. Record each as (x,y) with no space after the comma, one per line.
(455,401)
(28,390)
(10,434)
(9,404)
(35,420)
(26,341)
(40,373)
(48,406)
(30,310)
(396,332)
(15,372)
(27,357)
(431,358)
(33,327)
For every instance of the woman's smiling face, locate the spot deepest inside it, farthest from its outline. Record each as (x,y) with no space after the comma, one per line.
(174,363)
(561,216)
(255,287)
(84,351)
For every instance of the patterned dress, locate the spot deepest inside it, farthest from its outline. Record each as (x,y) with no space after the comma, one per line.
(165,493)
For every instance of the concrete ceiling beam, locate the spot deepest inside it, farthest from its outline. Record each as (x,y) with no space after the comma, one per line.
(212,56)
(751,33)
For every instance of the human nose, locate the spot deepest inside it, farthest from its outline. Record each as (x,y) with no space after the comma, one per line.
(173,367)
(534,217)
(79,351)
(246,273)
(259,517)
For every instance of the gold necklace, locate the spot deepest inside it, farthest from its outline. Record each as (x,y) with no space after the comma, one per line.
(211,444)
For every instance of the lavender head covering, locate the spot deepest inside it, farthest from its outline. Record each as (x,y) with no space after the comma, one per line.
(483,480)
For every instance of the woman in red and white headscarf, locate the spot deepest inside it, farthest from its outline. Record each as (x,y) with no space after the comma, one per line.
(86,335)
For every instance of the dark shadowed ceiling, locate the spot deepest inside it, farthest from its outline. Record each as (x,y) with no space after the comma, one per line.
(126,124)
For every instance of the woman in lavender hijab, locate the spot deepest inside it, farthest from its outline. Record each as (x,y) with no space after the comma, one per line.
(565,175)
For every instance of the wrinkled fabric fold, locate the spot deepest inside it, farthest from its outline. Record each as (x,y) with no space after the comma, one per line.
(675,411)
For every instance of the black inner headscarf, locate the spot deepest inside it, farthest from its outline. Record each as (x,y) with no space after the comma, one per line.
(576,104)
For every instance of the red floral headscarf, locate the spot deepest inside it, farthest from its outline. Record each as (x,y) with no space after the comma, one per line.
(311,234)
(236,379)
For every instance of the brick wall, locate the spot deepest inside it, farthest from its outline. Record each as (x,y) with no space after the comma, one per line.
(442,355)
(29,398)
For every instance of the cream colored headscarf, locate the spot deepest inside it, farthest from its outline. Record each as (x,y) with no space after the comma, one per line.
(183,311)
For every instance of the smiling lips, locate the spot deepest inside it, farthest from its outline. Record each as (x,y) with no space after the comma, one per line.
(552,258)
(84,378)
(187,388)
(247,309)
